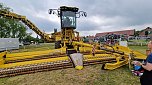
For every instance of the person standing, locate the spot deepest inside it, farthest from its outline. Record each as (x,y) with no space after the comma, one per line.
(146,78)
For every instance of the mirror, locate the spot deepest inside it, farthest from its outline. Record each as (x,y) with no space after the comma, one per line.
(85,14)
(50,11)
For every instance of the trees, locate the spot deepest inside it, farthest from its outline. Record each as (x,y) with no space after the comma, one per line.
(10,28)
(29,38)
(137,33)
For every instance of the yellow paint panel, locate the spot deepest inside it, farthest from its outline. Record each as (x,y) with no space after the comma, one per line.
(99,57)
(15,56)
(86,58)
(112,66)
(2,54)
(139,55)
(126,50)
(33,62)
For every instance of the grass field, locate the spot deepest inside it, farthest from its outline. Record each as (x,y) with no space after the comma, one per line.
(32,47)
(90,75)
(141,49)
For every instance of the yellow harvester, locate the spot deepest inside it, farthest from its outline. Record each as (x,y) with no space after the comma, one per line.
(68,48)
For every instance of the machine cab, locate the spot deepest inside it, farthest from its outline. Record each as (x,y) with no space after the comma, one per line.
(68,17)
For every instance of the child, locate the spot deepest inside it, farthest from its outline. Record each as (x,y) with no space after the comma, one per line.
(138,70)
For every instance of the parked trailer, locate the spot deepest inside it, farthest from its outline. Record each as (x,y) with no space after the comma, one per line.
(9,44)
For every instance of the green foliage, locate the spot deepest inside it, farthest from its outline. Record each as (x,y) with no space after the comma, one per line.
(10,28)
(137,33)
(2,7)
(85,39)
(146,33)
(29,38)
(101,39)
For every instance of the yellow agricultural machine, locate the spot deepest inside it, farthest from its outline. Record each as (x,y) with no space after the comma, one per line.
(70,50)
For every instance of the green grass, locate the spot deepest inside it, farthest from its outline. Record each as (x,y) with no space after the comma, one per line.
(138,41)
(33,47)
(141,49)
(90,75)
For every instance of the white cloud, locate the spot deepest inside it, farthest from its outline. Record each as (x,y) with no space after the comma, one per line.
(103,15)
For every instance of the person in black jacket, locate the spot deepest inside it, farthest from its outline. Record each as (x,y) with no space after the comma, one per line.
(146,78)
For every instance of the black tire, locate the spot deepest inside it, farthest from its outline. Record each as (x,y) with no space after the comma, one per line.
(57,44)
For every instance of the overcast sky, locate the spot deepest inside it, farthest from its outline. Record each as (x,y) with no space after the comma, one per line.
(102,15)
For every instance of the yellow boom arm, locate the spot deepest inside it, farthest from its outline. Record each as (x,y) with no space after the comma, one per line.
(27,22)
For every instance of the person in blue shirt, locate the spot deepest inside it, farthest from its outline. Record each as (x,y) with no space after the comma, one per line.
(146,78)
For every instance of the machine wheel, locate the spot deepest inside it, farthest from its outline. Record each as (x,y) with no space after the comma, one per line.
(57,44)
